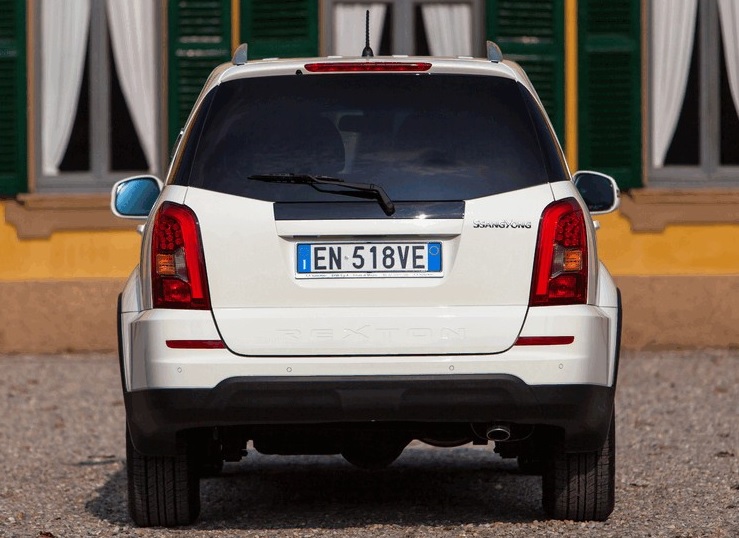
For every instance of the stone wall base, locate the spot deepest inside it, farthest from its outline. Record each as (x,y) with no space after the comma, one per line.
(79,315)
(57,316)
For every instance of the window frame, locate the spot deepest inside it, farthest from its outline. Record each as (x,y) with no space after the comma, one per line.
(100,178)
(403,21)
(709,173)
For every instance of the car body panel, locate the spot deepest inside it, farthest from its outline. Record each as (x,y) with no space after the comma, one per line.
(260,306)
(584,361)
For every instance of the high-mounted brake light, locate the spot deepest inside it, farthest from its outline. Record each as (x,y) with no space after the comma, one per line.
(561,262)
(178,277)
(341,67)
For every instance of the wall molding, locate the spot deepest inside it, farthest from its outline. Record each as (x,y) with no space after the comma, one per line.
(651,209)
(37,216)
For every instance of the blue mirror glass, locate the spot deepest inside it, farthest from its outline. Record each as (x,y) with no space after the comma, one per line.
(135,197)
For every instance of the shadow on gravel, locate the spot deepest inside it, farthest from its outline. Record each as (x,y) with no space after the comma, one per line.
(432,488)
(110,503)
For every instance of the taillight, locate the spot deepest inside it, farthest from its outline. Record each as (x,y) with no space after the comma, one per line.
(561,262)
(177,265)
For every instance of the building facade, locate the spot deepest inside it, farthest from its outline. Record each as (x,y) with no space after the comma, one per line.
(92,91)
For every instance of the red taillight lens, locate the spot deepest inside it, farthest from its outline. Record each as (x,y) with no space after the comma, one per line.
(343,67)
(561,263)
(196,344)
(177,264)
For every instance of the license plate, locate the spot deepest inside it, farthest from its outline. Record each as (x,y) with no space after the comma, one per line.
(357,260)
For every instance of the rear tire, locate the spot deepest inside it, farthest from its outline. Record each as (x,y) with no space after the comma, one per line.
(581,487)
(163,491)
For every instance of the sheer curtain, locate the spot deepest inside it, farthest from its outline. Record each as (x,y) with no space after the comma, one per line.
(349,27)
(64,29)
(673,31)
(729,15)
(448,28)
(133,37)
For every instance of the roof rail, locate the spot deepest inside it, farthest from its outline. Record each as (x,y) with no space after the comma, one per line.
(240,55)
(494,53)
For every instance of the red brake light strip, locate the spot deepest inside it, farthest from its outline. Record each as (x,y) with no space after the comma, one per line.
(544,340)
(196,344)
(340,67)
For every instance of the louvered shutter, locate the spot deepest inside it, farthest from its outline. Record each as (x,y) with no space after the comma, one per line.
(199,40)
(280,28)
(531,32)
(610,89)
(12,98)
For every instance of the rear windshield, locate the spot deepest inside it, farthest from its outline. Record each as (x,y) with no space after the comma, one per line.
(420,137)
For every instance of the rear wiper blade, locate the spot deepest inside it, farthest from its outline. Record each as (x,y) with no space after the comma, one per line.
(306,179)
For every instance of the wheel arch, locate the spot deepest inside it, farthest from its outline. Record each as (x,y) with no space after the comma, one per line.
(609,300)
(129,306)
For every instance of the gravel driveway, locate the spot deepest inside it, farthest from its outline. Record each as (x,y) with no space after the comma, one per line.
(62,466)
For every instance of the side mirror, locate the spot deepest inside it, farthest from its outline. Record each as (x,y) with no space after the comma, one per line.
(599,191)
(133,197)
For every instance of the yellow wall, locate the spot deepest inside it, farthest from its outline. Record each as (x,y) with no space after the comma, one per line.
(65,255)
(678,250)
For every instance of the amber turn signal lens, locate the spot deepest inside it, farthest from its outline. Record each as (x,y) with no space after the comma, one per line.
(165,265)
(572,260)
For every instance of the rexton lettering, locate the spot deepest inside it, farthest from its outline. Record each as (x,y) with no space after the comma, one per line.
(366,332)
(500,224)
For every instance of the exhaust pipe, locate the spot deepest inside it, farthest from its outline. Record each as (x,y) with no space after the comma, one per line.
(498,432)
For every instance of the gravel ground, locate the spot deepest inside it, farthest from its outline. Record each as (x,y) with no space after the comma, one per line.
(63,470)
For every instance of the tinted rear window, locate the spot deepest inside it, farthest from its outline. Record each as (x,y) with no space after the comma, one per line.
(420,137)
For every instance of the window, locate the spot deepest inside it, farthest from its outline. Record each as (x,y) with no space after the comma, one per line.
(405,27)
(435,138)
(694,93)
(96,94)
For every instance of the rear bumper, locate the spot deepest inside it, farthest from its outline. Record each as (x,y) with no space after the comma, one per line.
(150,364)
(582,411)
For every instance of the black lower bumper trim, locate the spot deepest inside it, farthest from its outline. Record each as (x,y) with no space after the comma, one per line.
(583,412)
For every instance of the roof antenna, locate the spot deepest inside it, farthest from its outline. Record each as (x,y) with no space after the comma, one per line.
(367,52)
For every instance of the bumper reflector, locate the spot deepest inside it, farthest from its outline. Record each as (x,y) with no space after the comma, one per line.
(196,344)
(544,340)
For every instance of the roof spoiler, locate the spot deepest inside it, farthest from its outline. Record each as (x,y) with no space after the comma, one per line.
(241,55)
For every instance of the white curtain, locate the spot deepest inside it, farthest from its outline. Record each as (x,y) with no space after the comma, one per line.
(64,29)
(729,15)
(673,31)
(349,27)
(448,28)
(133,37)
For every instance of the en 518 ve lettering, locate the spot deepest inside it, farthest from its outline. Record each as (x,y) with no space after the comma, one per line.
(367,258)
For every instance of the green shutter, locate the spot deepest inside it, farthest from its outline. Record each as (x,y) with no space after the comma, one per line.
(531,32)
(12,98)
(280,28)
(609,89)
(199,40)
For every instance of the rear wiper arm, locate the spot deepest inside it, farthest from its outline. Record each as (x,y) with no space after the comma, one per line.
(306,179)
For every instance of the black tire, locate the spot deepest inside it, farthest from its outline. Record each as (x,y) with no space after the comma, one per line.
(581,487)
(163,491)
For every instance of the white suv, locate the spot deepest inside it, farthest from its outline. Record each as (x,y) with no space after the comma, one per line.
(351,253)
